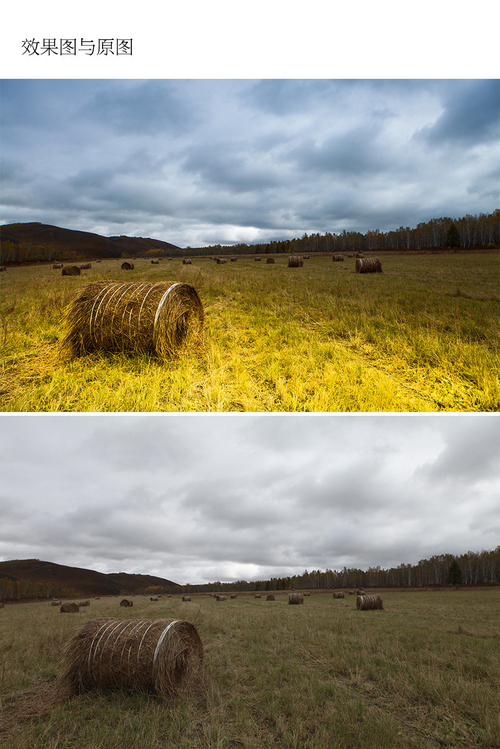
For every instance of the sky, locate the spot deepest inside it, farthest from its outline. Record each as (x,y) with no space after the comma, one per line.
(199,162)
(197,498)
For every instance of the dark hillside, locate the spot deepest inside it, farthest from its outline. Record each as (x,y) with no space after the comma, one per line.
(34,241)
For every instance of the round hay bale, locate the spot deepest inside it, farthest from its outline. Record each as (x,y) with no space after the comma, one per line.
(163,656)
(360,592)
(352,592)
(339,594)
(3,268)
(126,602)
(220,598)
(186,598)
(257,595)
(2,605)
(233,595)
(155,262)
(221,260)
(71,270)
(127,266)
(270,261)
(85,266)
(270,598)
(233,259)
(337,258)
(150,318)
(295,598)
(365,603)
(55,603)
(257,259)
(187,261)
(57,266)
(359,254)
(69,608)
(368,265)
(153,598)
(306,593)
(295,261)
(84,603)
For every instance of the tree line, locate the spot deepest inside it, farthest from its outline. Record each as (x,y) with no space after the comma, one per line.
(479,231)
(476,568)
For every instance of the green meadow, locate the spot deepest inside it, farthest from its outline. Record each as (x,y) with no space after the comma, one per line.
(423,335)
(422,673)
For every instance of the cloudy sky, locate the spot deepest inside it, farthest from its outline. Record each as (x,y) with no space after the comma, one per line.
(201,498)
(199,162)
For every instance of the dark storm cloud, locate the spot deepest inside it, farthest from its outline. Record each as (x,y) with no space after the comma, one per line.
(199,162)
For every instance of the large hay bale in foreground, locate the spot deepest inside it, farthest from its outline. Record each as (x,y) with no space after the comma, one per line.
(69,608)
(368,265)
(162,656)
(295,261)
(365,603)
(149,318)
(295,598)
(126,603)
(71,270)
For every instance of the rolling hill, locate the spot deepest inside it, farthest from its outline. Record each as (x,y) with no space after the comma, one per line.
(33,578)
(19,241)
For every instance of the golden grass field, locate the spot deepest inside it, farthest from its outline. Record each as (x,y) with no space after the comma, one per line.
(423,673)
(421,336)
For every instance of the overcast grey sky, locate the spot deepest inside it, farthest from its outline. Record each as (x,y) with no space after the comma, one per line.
(201,498)
(199,162)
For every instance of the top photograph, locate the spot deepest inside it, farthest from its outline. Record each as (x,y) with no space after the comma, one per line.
(249,245)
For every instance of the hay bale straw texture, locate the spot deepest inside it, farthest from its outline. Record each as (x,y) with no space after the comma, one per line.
(161,656)
(368,265)
(365,603)
(69,608)
(295,598)
(71,270)
(295,261)
(150,318)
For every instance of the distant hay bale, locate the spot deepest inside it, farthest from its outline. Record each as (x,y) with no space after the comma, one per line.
(352,592)
(221,260)
(257,595)
(295,598)
(295,261)
(257,259)
(350,254)
(55,603)
(360,592)
(337,258)
(84,603)
(56,266)
(69,608)
(233,595)
(233,259)
(270,598)
(220,598)
(339,594)
(306,257)
(359,254)
(365,603)
(306,593)
(3,268)
(155,262)
(150,318)
(71,270)
(126,602)
(368,265)
(153,598)
(163,656)
(270,261)
(85,266)
(187,261)
(127,266)
(2,605)
(186,598)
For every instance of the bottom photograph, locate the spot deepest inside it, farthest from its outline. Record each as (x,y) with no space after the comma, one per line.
(210,581)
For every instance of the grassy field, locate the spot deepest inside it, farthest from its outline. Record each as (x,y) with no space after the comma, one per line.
(421,336)
(422,673)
